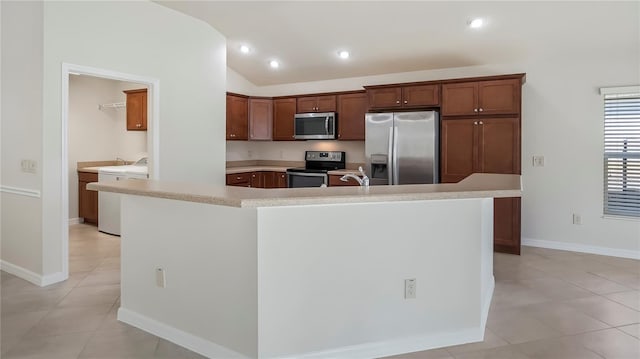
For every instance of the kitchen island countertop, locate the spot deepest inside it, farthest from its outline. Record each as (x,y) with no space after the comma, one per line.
(478,185)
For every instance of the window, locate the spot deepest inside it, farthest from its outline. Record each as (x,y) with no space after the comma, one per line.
(622,151)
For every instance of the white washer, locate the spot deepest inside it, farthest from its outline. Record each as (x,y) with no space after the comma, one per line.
(109,203)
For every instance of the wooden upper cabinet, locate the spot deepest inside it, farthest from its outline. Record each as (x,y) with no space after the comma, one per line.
(493,97)
(324,103)
(136,110)
(260,118)
(284,111)
(351,111)
(478,145)
(410,96)
(237,117)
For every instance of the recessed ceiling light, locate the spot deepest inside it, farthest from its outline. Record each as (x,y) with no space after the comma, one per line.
(245,49)
(343,54)
(274,64)
(476,23)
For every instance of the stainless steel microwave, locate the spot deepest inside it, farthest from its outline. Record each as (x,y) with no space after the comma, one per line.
(315,126)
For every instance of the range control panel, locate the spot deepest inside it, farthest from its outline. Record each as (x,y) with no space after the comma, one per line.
(326,156)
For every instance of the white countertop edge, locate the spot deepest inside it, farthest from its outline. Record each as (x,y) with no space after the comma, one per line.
(474,186)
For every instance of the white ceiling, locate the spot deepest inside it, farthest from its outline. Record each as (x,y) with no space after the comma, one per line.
(400,36)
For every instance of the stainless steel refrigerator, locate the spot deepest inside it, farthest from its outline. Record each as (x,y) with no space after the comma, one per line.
(402,147)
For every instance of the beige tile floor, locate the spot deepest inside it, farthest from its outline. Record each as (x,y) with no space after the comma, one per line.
(547,304)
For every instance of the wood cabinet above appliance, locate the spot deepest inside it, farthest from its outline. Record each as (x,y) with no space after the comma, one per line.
(352,108)
(323,103)
(493,97)
(136,109)
(409,96)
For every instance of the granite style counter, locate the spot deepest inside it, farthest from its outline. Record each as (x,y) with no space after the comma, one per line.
(479,185)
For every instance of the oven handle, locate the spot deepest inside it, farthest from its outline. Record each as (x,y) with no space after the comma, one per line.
(306,174)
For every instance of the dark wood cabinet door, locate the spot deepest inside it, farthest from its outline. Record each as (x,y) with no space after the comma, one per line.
(388,97)
(136,110)
(506,225)
(499,97)
(239,179)
(351,111)
(458,152)
(498,145)
(237,117)
(326,103)
(87,200)
(260,118)
(307,104)
(421,96)
(257,179)
(269,179)
(284,111)
(334,180)
(281,178)
(459,99)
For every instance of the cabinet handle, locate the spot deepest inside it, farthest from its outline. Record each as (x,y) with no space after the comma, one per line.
(405,101)
(398,101)
(480,123)
(138,125)
(475,110)
(481,109)
(475,122)
(238,178)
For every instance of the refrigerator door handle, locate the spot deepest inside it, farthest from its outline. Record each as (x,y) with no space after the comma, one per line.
(396,167)
(390,157)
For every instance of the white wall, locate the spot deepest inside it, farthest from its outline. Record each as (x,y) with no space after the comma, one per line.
(140,38)
(99,134)
(22,41)
(562,119)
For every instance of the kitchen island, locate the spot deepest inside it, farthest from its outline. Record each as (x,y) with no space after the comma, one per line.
(312,272)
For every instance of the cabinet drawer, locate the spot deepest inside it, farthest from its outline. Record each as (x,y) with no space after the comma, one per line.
(87,177)
(239,179)
(334,180)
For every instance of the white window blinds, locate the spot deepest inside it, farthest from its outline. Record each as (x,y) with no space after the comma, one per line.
(622,154)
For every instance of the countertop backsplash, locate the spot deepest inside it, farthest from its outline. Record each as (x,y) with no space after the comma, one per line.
(291,150)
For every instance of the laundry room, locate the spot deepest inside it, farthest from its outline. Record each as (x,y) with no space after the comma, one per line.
(107,136)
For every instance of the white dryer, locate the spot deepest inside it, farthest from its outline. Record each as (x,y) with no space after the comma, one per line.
(109,203)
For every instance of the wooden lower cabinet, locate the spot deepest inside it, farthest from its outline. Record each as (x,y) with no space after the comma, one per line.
(239,179)
(258,179)
(87,200)
(334,180)
(506,225)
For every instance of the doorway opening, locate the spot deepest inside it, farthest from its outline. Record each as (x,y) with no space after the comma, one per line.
(106,113)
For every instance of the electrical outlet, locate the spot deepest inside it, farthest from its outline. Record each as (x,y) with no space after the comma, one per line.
(538,161)
(410,288)
(250,154)
(161,280)
(577,219)
(29,166)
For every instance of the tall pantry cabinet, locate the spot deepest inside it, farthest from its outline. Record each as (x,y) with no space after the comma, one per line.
(480,133)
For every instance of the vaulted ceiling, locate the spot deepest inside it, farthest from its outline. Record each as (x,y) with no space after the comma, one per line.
(399,36)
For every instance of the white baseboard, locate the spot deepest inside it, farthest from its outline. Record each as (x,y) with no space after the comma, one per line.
(398,346)
(76,220)
(177,336)
(583,248)
(369,350)
(30,276)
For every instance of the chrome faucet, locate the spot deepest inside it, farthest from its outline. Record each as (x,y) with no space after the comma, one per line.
(364,181)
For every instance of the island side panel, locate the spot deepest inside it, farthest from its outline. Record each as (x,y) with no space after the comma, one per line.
(331,278)
(209,257)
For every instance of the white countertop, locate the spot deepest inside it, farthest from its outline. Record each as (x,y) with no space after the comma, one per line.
(478,185)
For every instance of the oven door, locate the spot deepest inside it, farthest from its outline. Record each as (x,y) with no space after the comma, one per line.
(304,179)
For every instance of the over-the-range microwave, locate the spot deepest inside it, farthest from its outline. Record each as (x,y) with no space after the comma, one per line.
(315,126)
